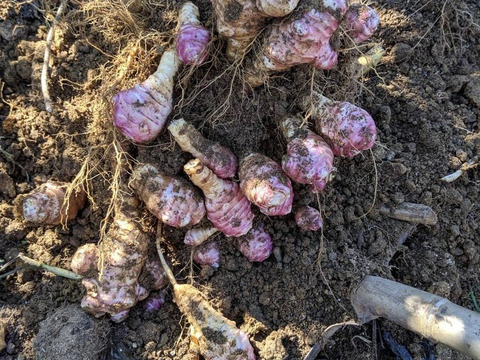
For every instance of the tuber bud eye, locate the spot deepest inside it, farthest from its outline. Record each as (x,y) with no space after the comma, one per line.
(300,28)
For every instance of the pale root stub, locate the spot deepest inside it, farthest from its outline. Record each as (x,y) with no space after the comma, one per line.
(264,184)
(140,113)
(197,236)
(227,208)
(173,201)
(257,244)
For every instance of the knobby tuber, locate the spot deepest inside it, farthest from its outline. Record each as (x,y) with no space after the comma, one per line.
(216,337)
(154,303)
(192,37)
(242,20)
(111,270)
(207,254)
(348,128)
(429,315)
(173,201)
(140,112)
(309,159)
(197,236)
(308,218)
(227,208)
(361,21)
(257,244)
(302,38)
(264,184)
(216,157)
(46,204)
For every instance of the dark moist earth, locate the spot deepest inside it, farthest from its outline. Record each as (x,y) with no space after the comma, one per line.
(425,99)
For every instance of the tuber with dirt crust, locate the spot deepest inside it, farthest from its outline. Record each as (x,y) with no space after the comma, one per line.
(308,218)
(264,184)
(192,37)
(302,38)
(173,201)
(207,254)
(46,204)
(257,244)
(309,159)
(140,112)
(227,208)
(361,21)
(216,157)
(348,128)
(197,236)
(112,268)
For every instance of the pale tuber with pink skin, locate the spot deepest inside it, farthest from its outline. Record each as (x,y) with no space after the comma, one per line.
(192,37)
(303,38)
(46,204)
(173,201)
(197,236)
(111,270)
(207,254)
(227,208)
(140,112)
(216,157)
(348,128)
(257,244)
(361,21)
(308,218)
(309,159)
(264,184)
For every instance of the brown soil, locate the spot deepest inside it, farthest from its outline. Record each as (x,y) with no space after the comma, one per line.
(424,97)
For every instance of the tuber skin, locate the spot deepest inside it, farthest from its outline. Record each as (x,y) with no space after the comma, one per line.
(111,270)
(348,128)
(173,201)
(361,21)
(192,37)
(216,157)
(308,218)
(227,208)
(309,159)
(241,21)
(140,112)
(264,184)
(257,245)
(303,38)
(195,237)
(46,204)
(207,254)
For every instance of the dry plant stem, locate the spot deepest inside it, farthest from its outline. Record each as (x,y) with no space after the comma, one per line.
(53,269)
(429,315)
(3,344)
(46,58)
(465,166)
(415,213)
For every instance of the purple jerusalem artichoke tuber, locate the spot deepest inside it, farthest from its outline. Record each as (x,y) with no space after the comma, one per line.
(192,37)
(257,244)
(264,184)
(140,112)
(308,218)
(207,254)
(173,201)
(348,128)
(361,21)
(309,159)
(216,157)
(46,204)
(227,208)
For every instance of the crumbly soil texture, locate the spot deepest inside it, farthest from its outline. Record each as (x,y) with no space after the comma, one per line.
(424,96)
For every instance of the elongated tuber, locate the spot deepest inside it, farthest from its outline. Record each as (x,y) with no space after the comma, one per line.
(173,201)
(303,38)
(227,208)
(207,254)
(216,337)
(411,212)
(257,245)
(192,37)
(195,237)
(111,270)
(361,21)
(264,184)
(46,204)
(348,128)
(140,112)
(216,157)
(308,218)
(309,159)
